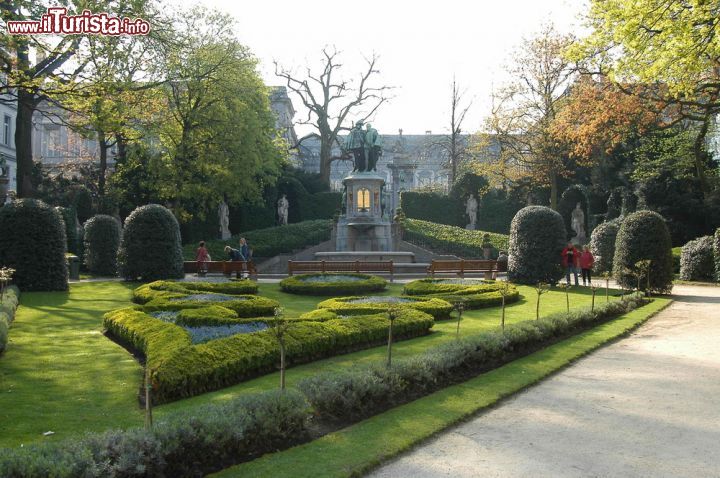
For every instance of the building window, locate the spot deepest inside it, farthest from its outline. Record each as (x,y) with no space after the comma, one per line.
(7,130)
(363,200)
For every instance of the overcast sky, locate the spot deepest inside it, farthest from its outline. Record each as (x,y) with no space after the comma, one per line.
(421,45)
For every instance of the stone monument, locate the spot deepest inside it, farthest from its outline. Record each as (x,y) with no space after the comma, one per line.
(577,224)
(471,207)
(282,209)
(224,216)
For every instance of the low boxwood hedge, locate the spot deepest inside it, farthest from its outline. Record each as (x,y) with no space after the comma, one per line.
(450,239)
(438,308)
(367,390)
(473,296)
(332,284)
(168,289)
(8,306)
(179,369)
(197,442)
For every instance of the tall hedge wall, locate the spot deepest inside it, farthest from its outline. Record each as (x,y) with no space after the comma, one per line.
(102,240)
(433,207)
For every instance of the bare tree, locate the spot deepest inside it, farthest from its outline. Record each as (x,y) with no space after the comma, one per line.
(454,146)
(329,100)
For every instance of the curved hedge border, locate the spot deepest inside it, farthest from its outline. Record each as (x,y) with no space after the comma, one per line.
(451,239)
(298,284)
(169,289)
(438,308)
(10,300)
(484,294)
(180,369)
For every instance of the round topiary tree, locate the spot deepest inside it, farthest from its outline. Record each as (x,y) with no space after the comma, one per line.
(150,248)
(32,241)
(602,244)
(697,260)
(644,235)
(102,240)
(537,237)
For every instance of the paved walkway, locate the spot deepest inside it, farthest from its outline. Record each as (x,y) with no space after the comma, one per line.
(648,405)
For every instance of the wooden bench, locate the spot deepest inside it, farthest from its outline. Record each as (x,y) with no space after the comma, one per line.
(341,266)
(224,267)
(462,266)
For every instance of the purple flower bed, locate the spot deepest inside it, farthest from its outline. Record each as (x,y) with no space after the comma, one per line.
(461,281)
(165,315)
(331,278)
(206,333)
(208,298)
(378,299)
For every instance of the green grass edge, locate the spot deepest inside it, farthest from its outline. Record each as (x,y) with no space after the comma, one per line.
(359,448)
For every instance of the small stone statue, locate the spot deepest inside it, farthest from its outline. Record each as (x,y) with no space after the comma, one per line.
(577,223)
(282,209)
(224,215)
(471,210)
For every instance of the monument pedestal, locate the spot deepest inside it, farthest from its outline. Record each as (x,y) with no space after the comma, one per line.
(365,225)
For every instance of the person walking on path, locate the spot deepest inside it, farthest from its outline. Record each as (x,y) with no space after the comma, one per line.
(586,264)
(202,257)
(570,260)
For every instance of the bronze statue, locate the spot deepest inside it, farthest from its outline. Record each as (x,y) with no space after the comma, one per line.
(355,142)
(373,147)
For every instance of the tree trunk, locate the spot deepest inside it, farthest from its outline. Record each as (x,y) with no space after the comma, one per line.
(699,153)
(102,142)
(325,160)
(23,143)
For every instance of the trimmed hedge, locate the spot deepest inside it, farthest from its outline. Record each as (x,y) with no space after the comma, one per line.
(32,241)
(697,262)
(716,252)
(434,207)
(451,239)
(271,241)
(150,248)
(537,237)
(676,253)
(102,241)
(644,235)
(180,369)
(438,308)
(193,443)
(71,234)
(369,390)
(484,294)
(299,285)
(8,306)
(168,289)
(602,244)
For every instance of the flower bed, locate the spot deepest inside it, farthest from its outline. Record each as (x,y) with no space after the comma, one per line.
(332,284)
(169,289)
(438,308)
(474,293)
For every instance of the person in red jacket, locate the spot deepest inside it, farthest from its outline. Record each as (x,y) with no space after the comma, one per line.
(202,257)
(570,261)
(586,264)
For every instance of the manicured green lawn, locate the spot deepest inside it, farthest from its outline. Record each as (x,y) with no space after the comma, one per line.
(61,374)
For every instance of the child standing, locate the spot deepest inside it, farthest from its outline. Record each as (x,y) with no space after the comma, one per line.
(586,264)
(202,257)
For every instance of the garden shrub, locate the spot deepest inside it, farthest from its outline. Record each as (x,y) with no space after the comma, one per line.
(242,305)
(643,235)
(210,315)
(367,390)
(193,443)
(332,284)
(434,208)
(181,369)
(474,294)
(150,248)
(697,262)
(361,305)
(676,254)
(271,241)
(8,306)
(71,233)
(537,237)
(32,241)
(602,245)
(451,239)
(102,240)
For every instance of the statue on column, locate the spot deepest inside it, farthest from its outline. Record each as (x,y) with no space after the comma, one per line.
(577,224)
(471,207)
(373,147)
(224,215)
(355,143)
(282,209)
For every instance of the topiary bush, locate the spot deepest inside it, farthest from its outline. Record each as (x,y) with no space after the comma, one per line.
(363,305)
(71,232)
(697,260)
(102,240)
(473,293)
(537,237)
(602,244)
(644,235)
(32,241)
(716,253)
(150,248)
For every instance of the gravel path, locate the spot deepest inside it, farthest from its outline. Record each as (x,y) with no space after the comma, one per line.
(648,405)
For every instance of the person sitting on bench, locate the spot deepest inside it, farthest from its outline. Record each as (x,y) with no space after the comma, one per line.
(234,254)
